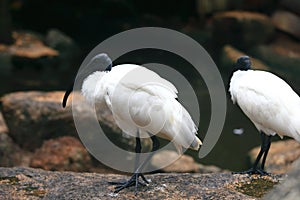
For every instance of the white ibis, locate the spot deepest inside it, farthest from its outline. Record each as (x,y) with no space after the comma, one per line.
(269,102)
(133,103)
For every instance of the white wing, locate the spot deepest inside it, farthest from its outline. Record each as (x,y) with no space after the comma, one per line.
(268,101)
(142,100)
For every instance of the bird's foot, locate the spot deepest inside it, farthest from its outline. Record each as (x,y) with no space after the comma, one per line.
(133,181)
(253,171)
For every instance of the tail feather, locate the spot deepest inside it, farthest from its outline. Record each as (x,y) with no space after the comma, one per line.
(186,131)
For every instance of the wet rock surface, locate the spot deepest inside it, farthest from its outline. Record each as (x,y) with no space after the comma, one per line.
(27,183)
(281,156)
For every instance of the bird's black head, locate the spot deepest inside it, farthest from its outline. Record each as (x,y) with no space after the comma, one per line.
(99,62)
(243,63)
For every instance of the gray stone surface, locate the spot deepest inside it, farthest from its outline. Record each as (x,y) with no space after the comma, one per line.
(288,189)
(27,183)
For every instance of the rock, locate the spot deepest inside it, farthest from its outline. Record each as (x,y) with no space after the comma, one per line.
(28,183)
(292,5)
(67,48)
(28,51)
(283,55)
(210,6)
(12,154)
(289,188)
(29,45)
(33,117)
(62,154)
(242,29)
(287,22)
(3,126)
(281,155)
(230,55)
(183,164)
(33,51)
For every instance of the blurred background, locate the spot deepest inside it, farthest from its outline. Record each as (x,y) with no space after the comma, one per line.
(43,43)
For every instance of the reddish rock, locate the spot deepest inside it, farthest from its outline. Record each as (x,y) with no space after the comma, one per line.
(33,117)
(281,155)
(62,154)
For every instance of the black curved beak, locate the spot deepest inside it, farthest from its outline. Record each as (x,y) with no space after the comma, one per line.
(68,92)
(99,62)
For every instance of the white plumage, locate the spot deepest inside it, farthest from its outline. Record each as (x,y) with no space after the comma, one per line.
(142,104)
(148,106)
(268,101)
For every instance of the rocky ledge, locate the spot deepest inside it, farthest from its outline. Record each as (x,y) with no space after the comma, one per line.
(28,183)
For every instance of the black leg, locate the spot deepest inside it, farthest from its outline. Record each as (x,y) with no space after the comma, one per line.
(264,149)
(134,180)
(268,145)
(155,146)
(261,152)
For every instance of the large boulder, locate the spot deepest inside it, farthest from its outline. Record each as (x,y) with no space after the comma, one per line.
(28,183)
(292,5)
(287,21)
(283,55)
(34,116)
(242,29)
(11,153)
(67,48)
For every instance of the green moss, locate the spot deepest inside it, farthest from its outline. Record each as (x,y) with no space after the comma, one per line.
(9,180)
(256,187)
(30,190)
(34,191)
